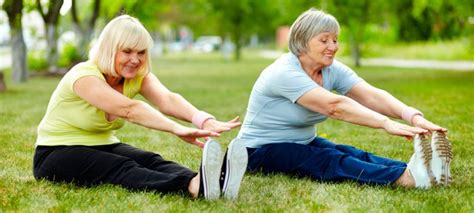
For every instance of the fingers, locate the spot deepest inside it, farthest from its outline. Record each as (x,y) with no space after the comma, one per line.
(236,119)
(205,133)
(419,130)
(220,127)
(428,125)
(434,127)
(404,130)
(198,143)
(233,125)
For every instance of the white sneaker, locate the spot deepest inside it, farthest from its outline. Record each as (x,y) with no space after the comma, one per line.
(442,157)
(233,169)
(210,169)
(419,165)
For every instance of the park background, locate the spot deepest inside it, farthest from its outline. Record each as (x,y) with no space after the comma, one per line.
(211,52)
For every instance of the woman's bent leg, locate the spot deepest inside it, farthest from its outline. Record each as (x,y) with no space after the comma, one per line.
(88,166)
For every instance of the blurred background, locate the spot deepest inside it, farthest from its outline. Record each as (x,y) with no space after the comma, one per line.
(49,36)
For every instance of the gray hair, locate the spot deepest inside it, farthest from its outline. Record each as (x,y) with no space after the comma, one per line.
(308,25)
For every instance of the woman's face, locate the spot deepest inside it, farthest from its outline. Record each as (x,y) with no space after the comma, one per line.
(322,48)
(128,62)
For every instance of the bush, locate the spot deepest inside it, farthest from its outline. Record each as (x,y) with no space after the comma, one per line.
(69,55)
(37,61)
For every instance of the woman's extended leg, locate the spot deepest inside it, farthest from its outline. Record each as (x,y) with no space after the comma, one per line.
(89,166)
(358,153)
(326,164)
(150,160)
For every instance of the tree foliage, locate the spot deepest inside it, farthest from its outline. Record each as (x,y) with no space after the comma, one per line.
(241,18)
(408,20)
(432,19)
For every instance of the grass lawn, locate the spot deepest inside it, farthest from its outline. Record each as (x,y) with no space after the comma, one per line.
(222,88)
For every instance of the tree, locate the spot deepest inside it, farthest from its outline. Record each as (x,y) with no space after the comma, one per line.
(3,86)
(241,18)
(84,29)
(355,16)
(17,42)
(51,20)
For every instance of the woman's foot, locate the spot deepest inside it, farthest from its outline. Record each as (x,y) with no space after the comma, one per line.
(420,163)
(233,169)
(442,157)
(209,171)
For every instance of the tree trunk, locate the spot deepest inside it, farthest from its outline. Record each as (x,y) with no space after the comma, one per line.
(18,48)
(237,36)
(355,46)
(51,20)
(17,43)
(3,86)
(238,47)
(52,54)
(84,32)
(83,41)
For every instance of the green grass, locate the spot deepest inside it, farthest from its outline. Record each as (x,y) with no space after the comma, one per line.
(459,49)
(222,88)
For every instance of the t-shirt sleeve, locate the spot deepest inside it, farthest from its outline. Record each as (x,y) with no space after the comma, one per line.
(345,78)
(291,84)
(80,71)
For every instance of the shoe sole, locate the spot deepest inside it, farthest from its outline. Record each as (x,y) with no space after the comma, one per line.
(211,166)
(236,165)
(427,156)
(443,150)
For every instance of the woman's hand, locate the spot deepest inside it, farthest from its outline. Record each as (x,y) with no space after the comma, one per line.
(420,121)
(400,129)
(218,126)
(191,135)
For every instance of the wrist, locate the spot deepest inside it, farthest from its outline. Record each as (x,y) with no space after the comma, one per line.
(200,118)
(383,122)
(408,113)
(175,128)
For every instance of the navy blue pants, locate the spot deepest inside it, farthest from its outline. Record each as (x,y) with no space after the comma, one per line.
(325,161)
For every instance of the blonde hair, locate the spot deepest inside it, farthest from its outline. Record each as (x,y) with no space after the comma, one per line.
(122,32)
(308,25)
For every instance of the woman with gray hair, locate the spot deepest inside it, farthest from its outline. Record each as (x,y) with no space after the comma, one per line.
(295,93)
(76,141)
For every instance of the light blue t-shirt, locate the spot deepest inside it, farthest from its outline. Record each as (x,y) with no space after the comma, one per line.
(273,116)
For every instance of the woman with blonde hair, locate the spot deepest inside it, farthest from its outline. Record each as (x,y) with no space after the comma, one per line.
(76,140)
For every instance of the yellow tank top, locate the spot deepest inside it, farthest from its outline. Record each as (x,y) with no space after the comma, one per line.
(70,120)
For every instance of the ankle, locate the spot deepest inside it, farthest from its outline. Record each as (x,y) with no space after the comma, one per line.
(406,180)
(193,186)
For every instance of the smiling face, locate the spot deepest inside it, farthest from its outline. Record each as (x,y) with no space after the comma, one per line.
(128,62)
(322,48)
